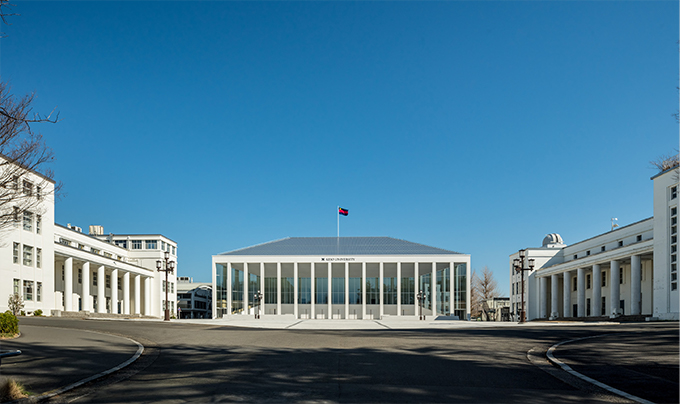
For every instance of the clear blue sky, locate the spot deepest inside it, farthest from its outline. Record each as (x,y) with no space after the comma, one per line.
(471,126)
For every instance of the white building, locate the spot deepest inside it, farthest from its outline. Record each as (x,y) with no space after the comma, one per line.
(341,278)
(194,298)
(631,270)
(60,270)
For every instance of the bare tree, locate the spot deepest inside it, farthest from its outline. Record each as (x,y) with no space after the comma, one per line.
(15,303)
(23,153)
(483,288)
(665,162)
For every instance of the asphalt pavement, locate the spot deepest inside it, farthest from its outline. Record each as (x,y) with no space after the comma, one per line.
(212,362)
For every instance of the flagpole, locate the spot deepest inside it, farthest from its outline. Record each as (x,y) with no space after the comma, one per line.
(337,213)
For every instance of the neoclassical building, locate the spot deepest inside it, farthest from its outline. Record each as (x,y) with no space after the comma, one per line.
(631,270)
(60,269)
(341,278)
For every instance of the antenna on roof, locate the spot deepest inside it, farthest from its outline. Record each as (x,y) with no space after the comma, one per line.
(614,225)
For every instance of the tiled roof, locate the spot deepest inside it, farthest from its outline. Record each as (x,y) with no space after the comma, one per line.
(340,246)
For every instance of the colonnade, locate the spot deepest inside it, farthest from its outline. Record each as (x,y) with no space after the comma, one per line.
(438,305)
(129,306)
(612,283)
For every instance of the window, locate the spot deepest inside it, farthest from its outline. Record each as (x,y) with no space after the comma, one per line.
(28,255)
(38,224)
(602,248)
(621,275)
(15,183)
(151,244)
(64,241)
(338,290)
(269,290)
(39,292)
(674,192)
(575,256)
(28,290)
(16,216)
(136,244)
(38,258)
(94,250)
(38,192)
(108,255)
(107,283)
(28,221)
(16,286)
(604,306)
(120,283)
(15,253)
(174,250)
(620,243)
(81,246)
(604,278)
(587,252)
(94,278)
(163,287)
(574,283)
(121,243)
(588,307)
(80,275)
(588,281)
(172,287)
(287,291)
(163,246)
(28,188)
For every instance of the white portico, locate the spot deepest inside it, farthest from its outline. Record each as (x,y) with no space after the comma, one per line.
(341,278)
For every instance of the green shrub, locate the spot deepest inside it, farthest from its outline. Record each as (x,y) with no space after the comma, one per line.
(22,313)
(37,313)
(9,324)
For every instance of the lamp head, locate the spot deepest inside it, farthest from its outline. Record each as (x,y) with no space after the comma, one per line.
(159,264)
(531,263)
(166,255)
(522,253)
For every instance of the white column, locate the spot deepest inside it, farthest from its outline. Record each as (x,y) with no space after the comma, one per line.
(229,291)
(330,292)
(543,285)
(467,289)
(126,293)
(147,296)
(635,285)
(566,310)
(614,287)
(278,288)
(416,288)
(363,290)
(114,291)
(262,289)
(452,284)
(554,297)
(581,292)
(101,289)
(245,288)
(346,290)
(68,284)
(398,289)
(382,290)
(433,289)
(295,290)
(596,306)
(86,287)
(138,295)
(312,315)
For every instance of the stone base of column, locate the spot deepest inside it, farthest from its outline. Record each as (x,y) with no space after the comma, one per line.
(554,315)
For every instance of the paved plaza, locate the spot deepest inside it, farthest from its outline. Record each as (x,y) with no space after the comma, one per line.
(386,361)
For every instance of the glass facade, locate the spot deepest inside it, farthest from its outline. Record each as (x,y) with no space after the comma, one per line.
(321,291)
(338,285)
(372,291)
(460,287)
(304,290)
(390,290)
(443,291)
(441,300)
(407,291)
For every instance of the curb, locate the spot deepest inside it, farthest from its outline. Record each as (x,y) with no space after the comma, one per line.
(571,371)
(46,396)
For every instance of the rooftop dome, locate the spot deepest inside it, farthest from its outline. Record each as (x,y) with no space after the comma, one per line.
(552,238)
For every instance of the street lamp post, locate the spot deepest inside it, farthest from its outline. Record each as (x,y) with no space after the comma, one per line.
(518,265)
(258,300)
(421,298)
(166,266)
